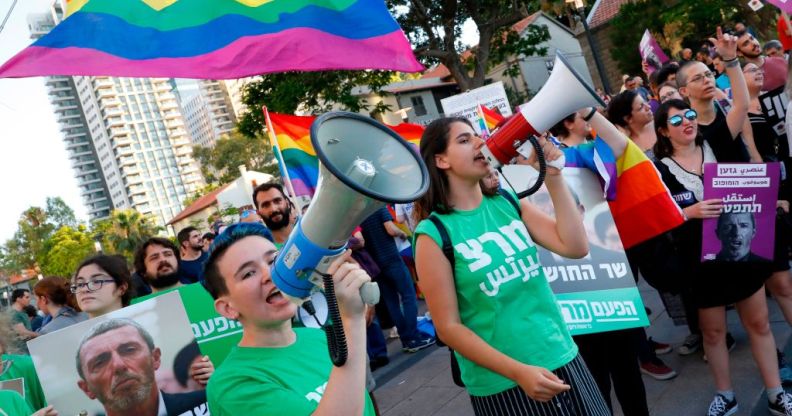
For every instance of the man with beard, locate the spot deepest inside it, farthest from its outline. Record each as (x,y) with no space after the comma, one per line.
(192,254)
(116,361)
(157,261)
(774,67)
(735,231)
(276,209)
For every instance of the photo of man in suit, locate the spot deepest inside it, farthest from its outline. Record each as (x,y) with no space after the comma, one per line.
(116,361)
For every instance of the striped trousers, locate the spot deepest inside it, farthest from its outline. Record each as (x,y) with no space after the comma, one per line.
(583,399)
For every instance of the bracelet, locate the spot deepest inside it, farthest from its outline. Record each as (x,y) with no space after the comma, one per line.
(732,63)
(729,60)
(590,114)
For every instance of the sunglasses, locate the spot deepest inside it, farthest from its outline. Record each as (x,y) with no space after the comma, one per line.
(676,120)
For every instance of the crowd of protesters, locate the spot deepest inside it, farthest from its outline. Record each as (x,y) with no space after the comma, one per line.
(703,108)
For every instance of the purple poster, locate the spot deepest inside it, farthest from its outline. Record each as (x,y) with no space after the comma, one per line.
(745,230)
(784,5)
(651,52)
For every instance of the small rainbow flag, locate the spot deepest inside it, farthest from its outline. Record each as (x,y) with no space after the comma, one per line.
(292,136)
(487,120)
(216,39)
(641,205)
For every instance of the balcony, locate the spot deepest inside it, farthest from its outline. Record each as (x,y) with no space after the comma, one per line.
(106,93)
(100,83)
(118,131)
(108,103)
(115,121)
(127,161)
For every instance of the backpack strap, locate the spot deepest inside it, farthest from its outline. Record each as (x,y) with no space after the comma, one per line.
(509,197)
(448,249)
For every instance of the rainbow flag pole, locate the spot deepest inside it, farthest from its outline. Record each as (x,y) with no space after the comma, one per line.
(273,139)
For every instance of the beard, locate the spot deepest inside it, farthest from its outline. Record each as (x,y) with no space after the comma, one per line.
(164,280)
(283,222)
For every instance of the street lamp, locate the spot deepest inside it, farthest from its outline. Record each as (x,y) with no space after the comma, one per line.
(580,7)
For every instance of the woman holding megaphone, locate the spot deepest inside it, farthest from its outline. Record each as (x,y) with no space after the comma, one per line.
(493,305)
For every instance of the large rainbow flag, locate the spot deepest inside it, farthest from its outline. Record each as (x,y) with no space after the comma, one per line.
(216,39)
(292,136)
(641,205)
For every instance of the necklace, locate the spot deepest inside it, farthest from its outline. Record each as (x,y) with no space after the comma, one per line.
(693,167)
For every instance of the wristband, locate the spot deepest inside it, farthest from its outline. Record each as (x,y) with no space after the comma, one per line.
(731,63)
(590,114)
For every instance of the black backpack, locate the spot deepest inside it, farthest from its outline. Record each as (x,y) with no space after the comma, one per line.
(448,251)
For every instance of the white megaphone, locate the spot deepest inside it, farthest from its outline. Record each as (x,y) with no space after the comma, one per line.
(564,93)
(363,165)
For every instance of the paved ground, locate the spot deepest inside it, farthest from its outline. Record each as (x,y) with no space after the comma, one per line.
(420,384)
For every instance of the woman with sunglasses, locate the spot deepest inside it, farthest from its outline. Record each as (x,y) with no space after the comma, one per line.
(54,298)
(681,152)
(477,308)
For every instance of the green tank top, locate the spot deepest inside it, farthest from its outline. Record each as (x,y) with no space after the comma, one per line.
(502,292)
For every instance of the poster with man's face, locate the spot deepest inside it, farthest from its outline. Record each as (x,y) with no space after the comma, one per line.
(133,361)
(745,229)
(596,293)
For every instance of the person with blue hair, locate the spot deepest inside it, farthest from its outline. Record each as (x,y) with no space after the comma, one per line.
(277,369)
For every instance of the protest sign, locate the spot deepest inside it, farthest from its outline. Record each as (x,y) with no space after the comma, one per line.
(651,52)
(596,293)
(745,230)
(80,366)
(774,106)
(466,104)
(215,334)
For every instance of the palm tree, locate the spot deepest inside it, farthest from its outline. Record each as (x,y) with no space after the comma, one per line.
(124,231)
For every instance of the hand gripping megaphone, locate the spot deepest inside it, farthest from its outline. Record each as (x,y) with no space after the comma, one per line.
(362,166)
(564,93)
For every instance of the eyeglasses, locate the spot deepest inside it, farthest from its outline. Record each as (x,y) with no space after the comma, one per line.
(676,120)
(91,285)
(700,77)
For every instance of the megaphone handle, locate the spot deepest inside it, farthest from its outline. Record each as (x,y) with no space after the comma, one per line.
(542,169)
(334,329)
(370,293)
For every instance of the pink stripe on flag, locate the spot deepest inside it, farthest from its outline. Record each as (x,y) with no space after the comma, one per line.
(243,57)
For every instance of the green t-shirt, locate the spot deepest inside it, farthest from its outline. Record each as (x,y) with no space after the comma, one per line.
(502,292)
(274,381)
(12,404)
(215,334)
(21,366)
(19,342)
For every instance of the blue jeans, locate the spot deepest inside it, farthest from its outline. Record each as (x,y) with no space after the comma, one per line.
(376,345)
(398,293)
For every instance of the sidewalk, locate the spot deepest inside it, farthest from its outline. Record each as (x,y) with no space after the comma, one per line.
(420,384)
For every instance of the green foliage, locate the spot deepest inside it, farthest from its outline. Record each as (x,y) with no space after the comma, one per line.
(434,28)
(199,193)
(220,164)
(679,24)
(315,92)
(65,249)
(124,231)
(511,44)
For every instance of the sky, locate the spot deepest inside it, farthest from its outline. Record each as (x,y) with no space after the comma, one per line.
(34,164)
(33,160)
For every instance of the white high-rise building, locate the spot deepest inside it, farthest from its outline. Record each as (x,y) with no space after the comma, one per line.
(128,139)
(211,108)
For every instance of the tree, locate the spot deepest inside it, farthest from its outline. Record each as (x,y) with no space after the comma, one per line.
(434,28)
(199,193)
(220,164)
(65,249)
(679,24)
(124,231)
(314,92)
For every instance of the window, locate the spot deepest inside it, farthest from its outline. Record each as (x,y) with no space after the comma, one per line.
(418,106)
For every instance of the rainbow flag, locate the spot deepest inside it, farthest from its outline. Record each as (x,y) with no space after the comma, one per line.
(641,205)
(216,39)
(487,120)
(292,135)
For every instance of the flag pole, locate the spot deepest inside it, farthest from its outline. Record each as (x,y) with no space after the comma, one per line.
(273,139)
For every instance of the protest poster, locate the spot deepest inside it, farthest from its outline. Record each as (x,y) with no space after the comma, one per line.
(596,293)
(215,334)
(745,230)
(774,106)
(108,363)
(492,96)
(651,52)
